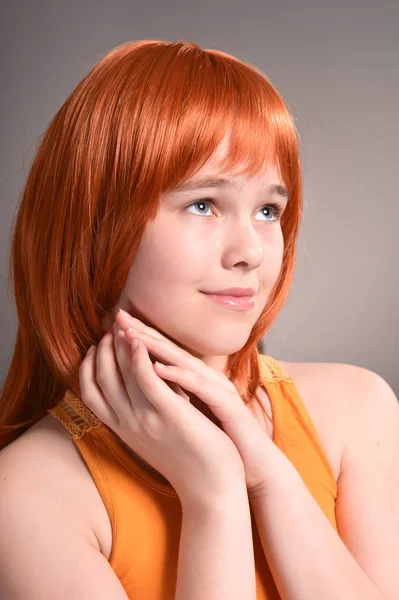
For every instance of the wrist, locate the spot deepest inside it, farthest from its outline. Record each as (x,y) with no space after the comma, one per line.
(225,500)
(281,484)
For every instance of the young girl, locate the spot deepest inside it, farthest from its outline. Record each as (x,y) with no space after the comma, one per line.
(153,452)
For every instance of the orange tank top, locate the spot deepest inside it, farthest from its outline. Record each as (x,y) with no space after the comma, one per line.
(146,514)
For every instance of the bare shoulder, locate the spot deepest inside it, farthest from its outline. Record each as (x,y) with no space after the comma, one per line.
(336,384)
(332,394)
(48,542)
(337,375)
(45,464)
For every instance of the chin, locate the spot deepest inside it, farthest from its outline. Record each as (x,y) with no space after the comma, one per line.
(217,348)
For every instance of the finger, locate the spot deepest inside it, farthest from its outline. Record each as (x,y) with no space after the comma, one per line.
(169,353)
(235,420)
(225,405)
(125,320)
(136,398)
(178,390)
(158,393)
(132,326)
(109,377)
(91,393)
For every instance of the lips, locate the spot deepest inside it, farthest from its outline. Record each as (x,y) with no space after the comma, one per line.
(233,302)
(233,291)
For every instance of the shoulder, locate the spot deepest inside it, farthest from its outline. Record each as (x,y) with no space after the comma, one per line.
(45,465)
(332,373)
(356,386)
(344,398)
(367,508)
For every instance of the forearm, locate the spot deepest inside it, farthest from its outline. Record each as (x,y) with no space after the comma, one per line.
(305,554)
(216,559)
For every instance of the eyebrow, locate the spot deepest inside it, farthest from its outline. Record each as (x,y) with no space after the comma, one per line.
(223,182)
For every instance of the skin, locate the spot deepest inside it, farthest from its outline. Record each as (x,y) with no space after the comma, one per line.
(236,242)
(181,253)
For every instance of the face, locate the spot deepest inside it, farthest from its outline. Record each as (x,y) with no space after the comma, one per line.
(206,239)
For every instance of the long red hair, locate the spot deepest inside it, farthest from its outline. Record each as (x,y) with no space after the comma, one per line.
(145,118)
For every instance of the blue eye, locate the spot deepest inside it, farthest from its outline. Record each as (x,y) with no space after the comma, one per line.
(277,209)
(202,203)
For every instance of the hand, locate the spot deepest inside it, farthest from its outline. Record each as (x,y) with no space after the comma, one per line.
(261,458)
(122,389)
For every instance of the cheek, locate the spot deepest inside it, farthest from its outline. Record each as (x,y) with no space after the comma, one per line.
(167,263)
(273,257)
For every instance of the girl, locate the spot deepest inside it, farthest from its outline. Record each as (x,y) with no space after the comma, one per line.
(155,453)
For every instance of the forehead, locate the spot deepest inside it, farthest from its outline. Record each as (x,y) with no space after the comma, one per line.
(213,169)
(209,176)
(271,185)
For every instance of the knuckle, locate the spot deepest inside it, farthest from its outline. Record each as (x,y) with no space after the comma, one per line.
(152,332)
(142,375)
(102,342)
(192,375)
(218,373)
(101,378)
(233,390)
(84,362)
(87,398)
(145,379)
(150,423)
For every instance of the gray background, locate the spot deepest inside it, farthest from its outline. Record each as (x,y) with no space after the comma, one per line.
(335,63)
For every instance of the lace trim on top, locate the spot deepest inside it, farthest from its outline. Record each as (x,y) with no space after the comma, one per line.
(271,370)
(77,418)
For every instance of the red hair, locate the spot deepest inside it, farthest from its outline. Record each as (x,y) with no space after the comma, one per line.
(145,118)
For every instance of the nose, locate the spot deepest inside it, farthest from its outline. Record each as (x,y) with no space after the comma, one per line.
(243,247)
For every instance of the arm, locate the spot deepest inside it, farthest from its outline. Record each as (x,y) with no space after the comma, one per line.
(306,556)
(45,552)
(48,551)
(216,559)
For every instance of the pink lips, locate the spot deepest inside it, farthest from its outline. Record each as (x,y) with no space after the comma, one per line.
(238,302)
(233,291)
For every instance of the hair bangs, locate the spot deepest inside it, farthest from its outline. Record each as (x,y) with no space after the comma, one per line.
(146,118)
(199,98)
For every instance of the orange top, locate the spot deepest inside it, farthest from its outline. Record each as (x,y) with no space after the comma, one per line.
(146,514)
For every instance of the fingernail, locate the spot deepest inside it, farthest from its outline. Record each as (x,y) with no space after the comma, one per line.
(90,350)
(116,327)
(124,312)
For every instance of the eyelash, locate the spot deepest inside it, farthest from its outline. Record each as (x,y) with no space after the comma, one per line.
(277,208)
